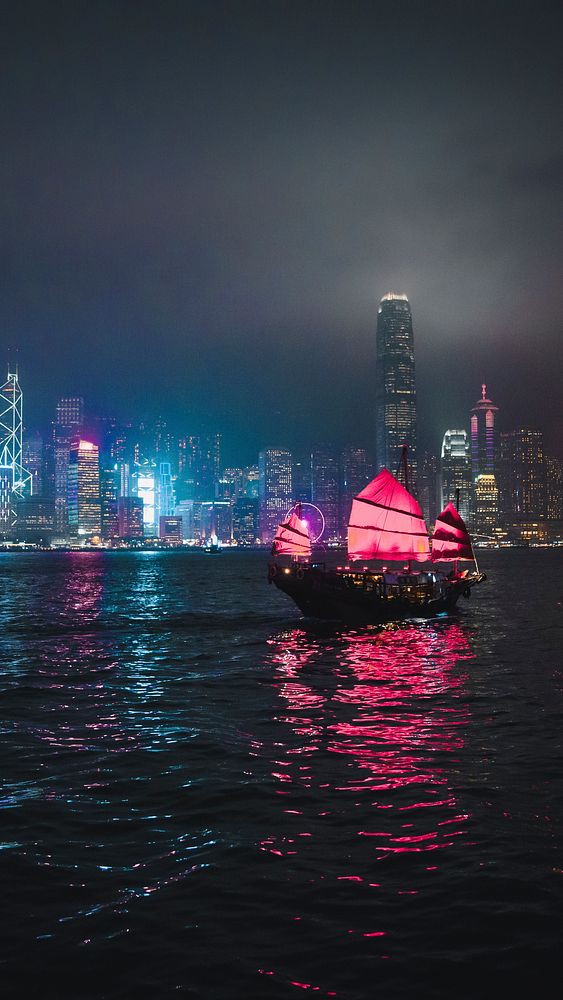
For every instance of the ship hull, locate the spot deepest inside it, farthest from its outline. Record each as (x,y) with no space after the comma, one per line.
(366,597)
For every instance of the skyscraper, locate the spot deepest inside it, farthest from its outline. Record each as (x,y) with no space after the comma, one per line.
(484,443)
(395,387)
(15,479)
(324,488)
(522,479)
(353,477)
(69,419)
(455,472)
(275,489)
(84,508)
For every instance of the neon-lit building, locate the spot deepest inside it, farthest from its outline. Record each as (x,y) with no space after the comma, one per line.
(456,474)
(84,507)
(275,489)
(484,438)
(16,481)
(395,384)
(145,482)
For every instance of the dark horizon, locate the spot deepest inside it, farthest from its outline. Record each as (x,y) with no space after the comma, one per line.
(203,205)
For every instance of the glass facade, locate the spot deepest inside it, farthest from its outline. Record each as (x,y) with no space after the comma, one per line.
(395,386)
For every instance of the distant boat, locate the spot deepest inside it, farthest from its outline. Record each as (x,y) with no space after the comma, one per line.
(213,546)
(386,523)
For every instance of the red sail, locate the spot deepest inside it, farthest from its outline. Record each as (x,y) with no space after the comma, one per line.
(387,523)
(451,538)
(292,538)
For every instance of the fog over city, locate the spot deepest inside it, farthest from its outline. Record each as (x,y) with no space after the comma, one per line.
(202,205)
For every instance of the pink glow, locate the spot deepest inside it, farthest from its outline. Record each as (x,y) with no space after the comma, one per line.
(386,522)
(292,538)
(451,538)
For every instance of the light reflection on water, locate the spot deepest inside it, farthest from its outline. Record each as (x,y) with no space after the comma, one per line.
(229,802)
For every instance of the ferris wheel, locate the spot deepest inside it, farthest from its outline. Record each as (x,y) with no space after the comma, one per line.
(314,519)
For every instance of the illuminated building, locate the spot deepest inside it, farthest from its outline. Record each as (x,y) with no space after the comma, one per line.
(69,420)
(145,482)
(522,475)
(245,521)
(354,475)
(456,473)
(16,481)
(484,444)
(34,520)
(130,518)
(7,512)
(199,458)
(395,386)
(486,505)
(301,477)
(252,476)
(554,488)
(275,489)
(33,459)
(428,471)
(83,481)
(231,484)
(109,491)
(166,498)
(216,519)
(324,488)
(170,530)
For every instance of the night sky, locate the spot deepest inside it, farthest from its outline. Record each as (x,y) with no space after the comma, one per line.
(202,204)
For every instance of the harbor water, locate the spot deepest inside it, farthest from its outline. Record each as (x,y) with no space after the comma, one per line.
(205,795)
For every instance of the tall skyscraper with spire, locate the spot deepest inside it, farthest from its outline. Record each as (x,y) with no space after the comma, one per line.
(395,386)
(484,436)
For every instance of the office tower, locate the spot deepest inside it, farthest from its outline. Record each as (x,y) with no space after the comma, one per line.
(83,481)
(109,492)
(69,420)
(395,386)
(301,477)
(522,481)
(16,480)
(245,521)
(34,520)
(554,488)
(216,520)
(199,458)
(275,489)
(455,473)
(166,499)
(252,481)
(484,438)
(130,518)
(354,475)
(428,472)
(231,484)
(324,488)
(486,502)
(170,530)
(33,461)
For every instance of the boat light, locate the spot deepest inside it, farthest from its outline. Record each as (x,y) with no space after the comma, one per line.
(287,570)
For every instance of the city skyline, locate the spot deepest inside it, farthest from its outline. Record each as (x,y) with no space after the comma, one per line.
(204,206)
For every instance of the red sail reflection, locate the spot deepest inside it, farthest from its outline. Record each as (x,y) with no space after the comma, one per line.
(377,721)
